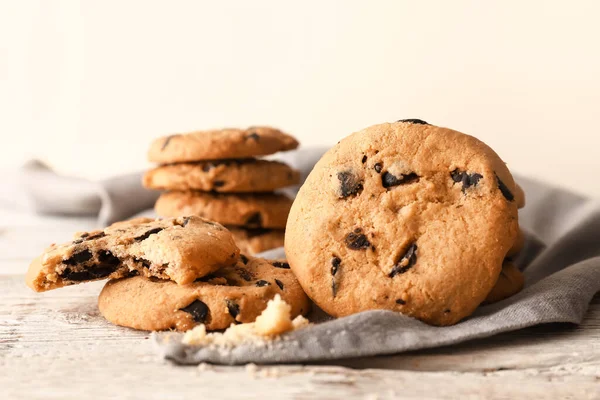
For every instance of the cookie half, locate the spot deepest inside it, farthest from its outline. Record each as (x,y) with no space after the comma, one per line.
(230,295)
(403,216)
(254,241)
(181,249)
(509,283)
(220,144)
(247,210)
(248,175)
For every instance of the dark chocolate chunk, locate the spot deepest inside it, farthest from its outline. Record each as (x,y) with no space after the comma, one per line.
(447,311)
(253,135)
(186,220)
(167,140)
(147,234)
(335,263)
(364,159)
(465,178)
(504,189)
(198,310)
(218,183)
(279,283)
(232,308)
(244,259)
(145,263)
(400,301)
(406,262)
(262,283)
(349,184)
(89,273)
(254,220)
(378,166)
(86,236)
(414,121)
(333,287)
(107,258)
(388,180)
(356,240)
(283,265)
(80,257)
(245,274)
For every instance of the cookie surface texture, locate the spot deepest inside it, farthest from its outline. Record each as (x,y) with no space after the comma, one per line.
(181,249)
(230,295)
(403,216)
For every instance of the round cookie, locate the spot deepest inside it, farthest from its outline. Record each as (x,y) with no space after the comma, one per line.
(254,241)
(510,282)
(180,249)
(248,210)
(230,295)
(403,216)
(220,144)
(246,175)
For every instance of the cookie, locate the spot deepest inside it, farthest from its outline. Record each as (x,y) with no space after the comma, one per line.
(510,282)
(230,295)
(403,216)
(254,241)
(519,196)
(220,144)
(180,249)
(248,210)
(518,245)
(247,175)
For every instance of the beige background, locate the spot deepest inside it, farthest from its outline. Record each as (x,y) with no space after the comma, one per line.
(86,85)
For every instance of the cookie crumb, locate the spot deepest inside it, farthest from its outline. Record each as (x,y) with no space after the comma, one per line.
(275,319)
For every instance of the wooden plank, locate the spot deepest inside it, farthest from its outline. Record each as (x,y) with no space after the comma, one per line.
(56,345)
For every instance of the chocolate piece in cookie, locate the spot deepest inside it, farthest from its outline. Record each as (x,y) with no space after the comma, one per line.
(226,297)
(426,234)
(181,249)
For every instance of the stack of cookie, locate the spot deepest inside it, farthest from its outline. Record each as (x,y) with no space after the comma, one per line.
(172,273)
(216,175)
(408,217)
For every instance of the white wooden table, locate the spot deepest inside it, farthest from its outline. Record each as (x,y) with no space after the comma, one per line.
(55,345)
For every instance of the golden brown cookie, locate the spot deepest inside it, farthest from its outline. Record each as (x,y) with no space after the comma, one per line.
(230,295)
(510,282)
(517,245)
(254,241)
(248,210)
(248,175)
(180,249)
(407,217)
(220,144)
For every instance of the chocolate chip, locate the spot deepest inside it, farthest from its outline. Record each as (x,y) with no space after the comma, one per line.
(335,263)
(108,258)
(262,283)
(406,262)
(93,272)
(186,220)
(255,220)
(466,179)
(504,189)
(356,240)
(147,234)
(378,166)
(244,259)
(413,121)
(447,311)
(388,180)
(364,159)
(349,184)
(86,236)
(167,140)
(80,257)
(198,310)
(283,265)
(279,283)
(232,308)
(218,183)
(253,135)
(145,263)
(400,301)
(247,276)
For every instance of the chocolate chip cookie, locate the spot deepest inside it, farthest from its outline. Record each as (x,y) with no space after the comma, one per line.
(509,283)
(246,175)
(247,210)
(230,295)
(220,144)
(254,241)
(181,249)
(403,216)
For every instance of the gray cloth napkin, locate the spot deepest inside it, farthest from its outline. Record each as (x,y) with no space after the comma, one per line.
(561,262)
